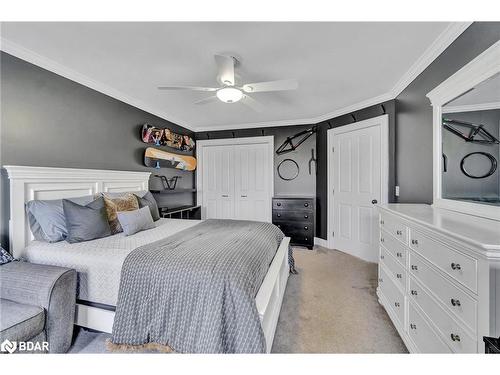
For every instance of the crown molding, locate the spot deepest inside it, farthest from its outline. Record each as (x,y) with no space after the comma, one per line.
(443,41)
(305,121)
(471,107)
(34,58)
(430,54)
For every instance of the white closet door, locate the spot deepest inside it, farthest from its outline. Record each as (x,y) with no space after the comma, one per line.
(356,178)
(251,192)
(218,182)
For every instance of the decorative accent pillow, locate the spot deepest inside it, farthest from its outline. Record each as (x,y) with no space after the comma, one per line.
(126,202)
(148,200)
(46,218)
(85,223)
(5,256)
(135,221)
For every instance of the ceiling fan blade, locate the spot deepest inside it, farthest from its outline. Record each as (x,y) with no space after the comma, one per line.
(225,65)
(281,85)
(210,99)
(193,88)
(252,103)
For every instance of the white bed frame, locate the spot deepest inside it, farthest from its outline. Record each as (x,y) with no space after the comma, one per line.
(28,183)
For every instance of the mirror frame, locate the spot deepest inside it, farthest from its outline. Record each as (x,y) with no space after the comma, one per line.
(483,67)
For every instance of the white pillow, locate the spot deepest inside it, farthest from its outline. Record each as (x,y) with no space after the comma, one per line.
(135,221)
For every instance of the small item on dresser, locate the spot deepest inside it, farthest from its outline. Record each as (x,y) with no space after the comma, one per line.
(135,221)
(85,223)
(126,202)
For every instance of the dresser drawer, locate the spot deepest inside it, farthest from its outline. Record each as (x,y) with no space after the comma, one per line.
(457,265)
(393,267)
(395,247)
(453,333)
(394,226)
(422,335)
(296,229)
(285,215)
(294,204)
(393,295)
(457,301)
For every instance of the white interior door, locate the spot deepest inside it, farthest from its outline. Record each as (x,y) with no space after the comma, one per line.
(251,192)
(358,182)
(218,181)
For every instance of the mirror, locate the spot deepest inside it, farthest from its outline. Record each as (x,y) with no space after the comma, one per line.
(470,133)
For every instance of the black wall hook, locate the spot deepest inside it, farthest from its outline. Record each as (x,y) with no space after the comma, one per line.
(383,109)
(353,117)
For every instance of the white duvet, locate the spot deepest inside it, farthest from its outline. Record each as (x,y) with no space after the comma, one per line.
(99,262)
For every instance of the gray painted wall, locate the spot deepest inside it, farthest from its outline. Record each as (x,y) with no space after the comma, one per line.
(48,120)
(414,112)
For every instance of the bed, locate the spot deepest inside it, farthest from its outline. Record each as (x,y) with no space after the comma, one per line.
(99,272)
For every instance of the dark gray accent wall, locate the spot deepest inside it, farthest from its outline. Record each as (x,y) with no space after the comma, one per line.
(48,120)
(414,111)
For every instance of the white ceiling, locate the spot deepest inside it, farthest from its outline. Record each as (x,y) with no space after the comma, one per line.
(339,66)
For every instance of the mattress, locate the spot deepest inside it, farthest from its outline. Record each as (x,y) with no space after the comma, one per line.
(99,262)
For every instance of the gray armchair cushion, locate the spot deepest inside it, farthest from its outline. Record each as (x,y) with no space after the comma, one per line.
(20,322)
(49,287)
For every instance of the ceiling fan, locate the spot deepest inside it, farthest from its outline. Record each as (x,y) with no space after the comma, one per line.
(230,92)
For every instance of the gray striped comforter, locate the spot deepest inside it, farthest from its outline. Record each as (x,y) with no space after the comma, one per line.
(195,291)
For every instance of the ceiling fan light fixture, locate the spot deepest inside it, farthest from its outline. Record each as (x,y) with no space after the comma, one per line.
(229,95)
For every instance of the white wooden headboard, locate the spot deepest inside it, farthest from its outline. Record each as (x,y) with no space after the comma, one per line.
(28,183)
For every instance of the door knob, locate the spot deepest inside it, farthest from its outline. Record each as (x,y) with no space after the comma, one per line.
(374,201)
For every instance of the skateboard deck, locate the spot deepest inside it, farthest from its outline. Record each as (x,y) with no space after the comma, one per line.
(166,137)
(155,158)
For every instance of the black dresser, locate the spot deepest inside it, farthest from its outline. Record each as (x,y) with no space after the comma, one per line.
(296,218)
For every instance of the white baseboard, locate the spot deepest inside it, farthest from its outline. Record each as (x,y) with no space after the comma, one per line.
(320,242)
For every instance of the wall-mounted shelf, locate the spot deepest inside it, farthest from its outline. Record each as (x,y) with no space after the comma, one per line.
(174,191)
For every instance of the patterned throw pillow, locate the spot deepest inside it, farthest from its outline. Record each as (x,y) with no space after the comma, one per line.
(5,256)
(127,202)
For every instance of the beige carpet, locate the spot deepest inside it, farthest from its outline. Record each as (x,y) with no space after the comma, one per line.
(331,307)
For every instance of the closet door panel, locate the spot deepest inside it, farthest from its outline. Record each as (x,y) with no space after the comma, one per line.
(218,192)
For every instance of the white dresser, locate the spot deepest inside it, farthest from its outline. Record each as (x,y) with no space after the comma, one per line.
(439,277)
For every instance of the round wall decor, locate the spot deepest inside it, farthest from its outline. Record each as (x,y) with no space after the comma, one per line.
(491,158)
(288,169)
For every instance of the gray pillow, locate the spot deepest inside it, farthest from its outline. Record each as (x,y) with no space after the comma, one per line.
(149,201)
(85,223)
(46,218)
(135,221)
